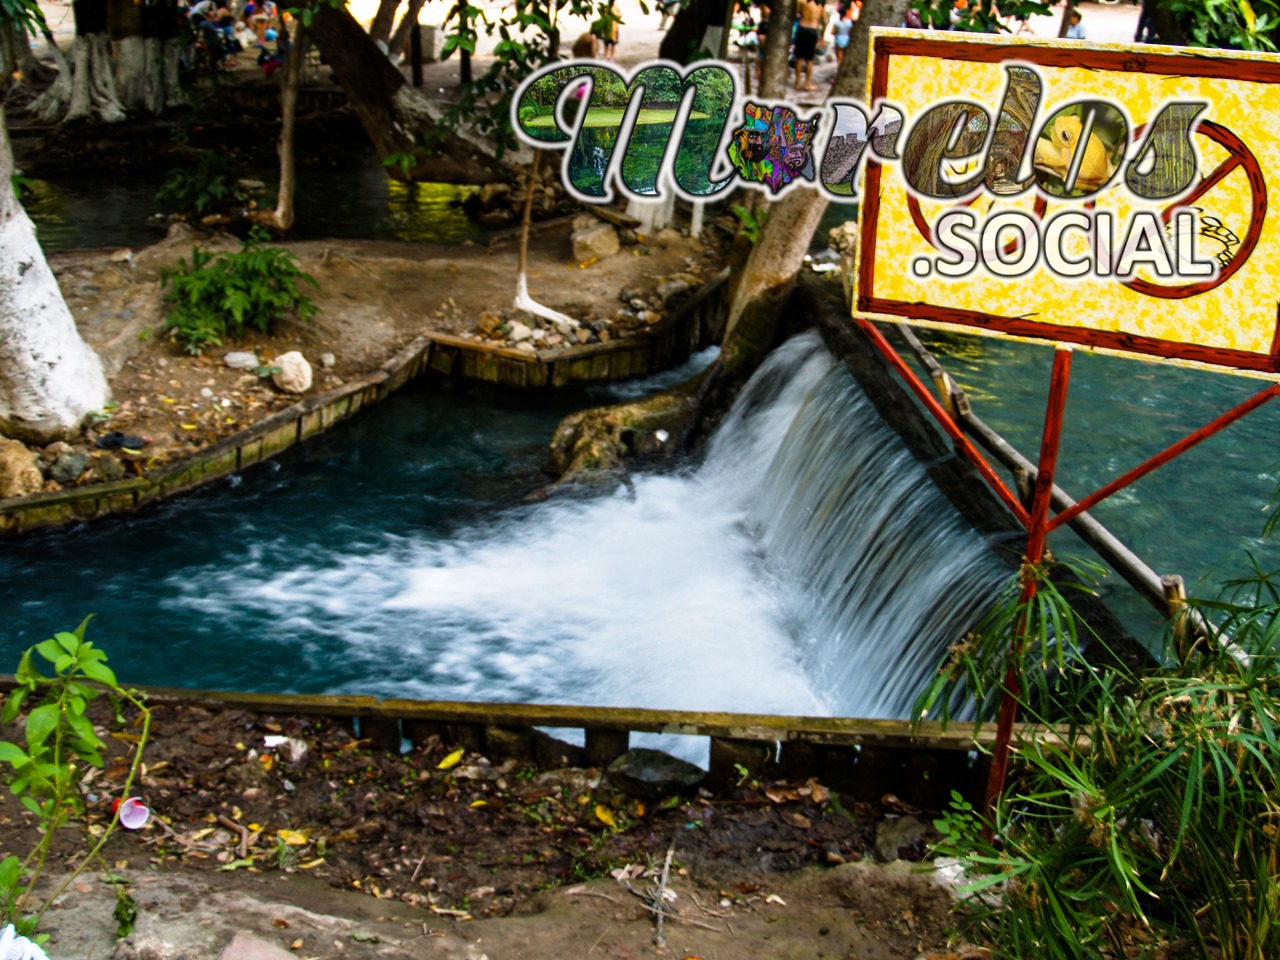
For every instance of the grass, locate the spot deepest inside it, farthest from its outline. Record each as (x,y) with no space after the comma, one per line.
(609,117)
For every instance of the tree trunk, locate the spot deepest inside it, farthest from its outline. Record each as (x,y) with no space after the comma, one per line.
(160,33)
(50,379)
(774,70)
(281,218)
(124,24)
(400,39)
(684,38)
(93,87)
(383,21)
(392,113)
(52,104)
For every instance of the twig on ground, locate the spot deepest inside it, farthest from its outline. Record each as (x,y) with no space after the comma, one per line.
(661,899)
(243,848)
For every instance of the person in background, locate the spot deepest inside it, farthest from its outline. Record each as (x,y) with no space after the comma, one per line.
(841,30)
(762,35)
(1075,26)
(811,22)
(1146,32)
(606,29)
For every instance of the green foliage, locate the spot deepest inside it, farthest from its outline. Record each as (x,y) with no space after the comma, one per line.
(59,743)
(216,297)
(1045,630)
(985,16)
(24,14)
(525,31)
(204,185)
(1154,828)
(1235,24)
(749,225)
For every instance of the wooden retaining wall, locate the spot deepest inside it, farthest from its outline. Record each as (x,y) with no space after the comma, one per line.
(864,759)
(697,324)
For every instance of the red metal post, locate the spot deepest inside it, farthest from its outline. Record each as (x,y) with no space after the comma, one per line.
(1164,456)
(963,444)
(1037,530)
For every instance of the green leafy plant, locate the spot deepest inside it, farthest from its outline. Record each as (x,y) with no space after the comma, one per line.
(219,296)
(749,224)
(59,744)
(203,185)
(1151,828)
(1236,24)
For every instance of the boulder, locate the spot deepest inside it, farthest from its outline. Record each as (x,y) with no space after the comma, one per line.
(599,240)
(245,946)
(668,290)
(488,324)
(68,467)
(895,834)
(20,473)
(652,774)
(239,360)
(109,468)
(295,372)
(54,450)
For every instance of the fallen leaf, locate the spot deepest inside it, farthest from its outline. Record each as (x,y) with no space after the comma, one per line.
(797,820)
(294,838)
(452,760)
(774,898)
(280,923)
(187,426)
(237,864)
(296,945)
(781,796)
(479,803)
(311,864)
(605,816)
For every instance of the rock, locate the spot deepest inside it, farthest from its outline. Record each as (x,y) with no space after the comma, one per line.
(637,303)
(54,450)
(599,240)
(582,335)
(628,237)
(519,332)
(124,255)
(51,486)
(328,361)
(844,238)
(598,325)
(539,335)
(147,946)
(894,834)
(295,372)
(206,392)
(555,340)
(630,293)
(652,774)
(488,323)
(650,316)
(668,236)
(109,469)
(68,467)
(668,290)
(245,946)
(20,472)
(584,221)
(605,336)
(564,329)
(250,185)
(239,360)
(526,346)
(492,191)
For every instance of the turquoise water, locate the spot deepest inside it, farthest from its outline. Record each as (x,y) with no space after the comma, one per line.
(174,587)
(1198,516)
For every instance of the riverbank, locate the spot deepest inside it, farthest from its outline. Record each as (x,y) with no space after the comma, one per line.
(379,305)
(290,829)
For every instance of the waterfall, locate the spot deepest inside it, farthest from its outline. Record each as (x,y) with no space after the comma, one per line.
(807,566)
(879,572)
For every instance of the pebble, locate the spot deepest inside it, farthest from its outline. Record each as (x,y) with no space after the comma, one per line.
(240,360)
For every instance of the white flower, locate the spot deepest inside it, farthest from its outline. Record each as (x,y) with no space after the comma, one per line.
(14,947)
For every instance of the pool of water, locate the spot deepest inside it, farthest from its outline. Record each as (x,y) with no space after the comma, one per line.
(1199,516)
(359,203)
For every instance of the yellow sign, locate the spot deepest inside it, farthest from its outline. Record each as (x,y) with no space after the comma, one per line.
(1107,196)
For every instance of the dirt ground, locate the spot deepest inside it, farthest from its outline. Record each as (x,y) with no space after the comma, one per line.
(325,846)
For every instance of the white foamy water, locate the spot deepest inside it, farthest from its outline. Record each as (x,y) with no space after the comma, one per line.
(808,567)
